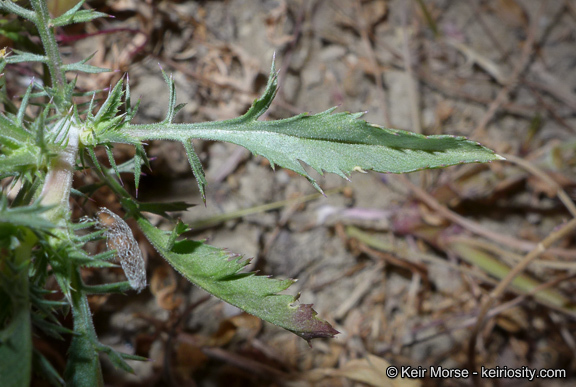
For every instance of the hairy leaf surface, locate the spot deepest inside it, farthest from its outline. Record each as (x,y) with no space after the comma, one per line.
(339,143)
(218,272)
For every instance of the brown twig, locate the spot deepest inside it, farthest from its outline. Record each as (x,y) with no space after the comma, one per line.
(412,84)
(478,17)
(516,270)
(389,258)
(368,280)
(473,320)
(519,244)
(411,256)
(259,369)
(363,29)
(512,258)
(512,82)
(548,107)
(296,34)
(462,221)
(448,85)
(552,86)
(562,195)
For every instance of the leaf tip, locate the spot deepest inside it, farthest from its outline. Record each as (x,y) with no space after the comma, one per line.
(310,326)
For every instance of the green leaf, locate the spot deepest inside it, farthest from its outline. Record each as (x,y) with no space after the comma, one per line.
(24,105)
(94,158)
(83,366)
(18,159)
(27,216)
(12,7)
(339,143)
(46,369)
(130,110)
(197,169)
(139,157)
(11,134)
(21,57)
(85,68)
(109,110)
(218,272)
(75,15)
(88,261)
(171,100)
(117,358)
(117,287)
(113,162)
(50,329)
(16,347)
(16,330)
(178,230)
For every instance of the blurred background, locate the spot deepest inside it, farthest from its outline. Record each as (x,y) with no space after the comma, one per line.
(402,266)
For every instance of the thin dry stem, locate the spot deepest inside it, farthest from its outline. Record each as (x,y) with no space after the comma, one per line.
(466,223)
(519,268)
(373,61)
(562,195)
(408,61)
(521,66)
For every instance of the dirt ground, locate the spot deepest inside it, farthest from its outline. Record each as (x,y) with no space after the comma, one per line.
(402,266)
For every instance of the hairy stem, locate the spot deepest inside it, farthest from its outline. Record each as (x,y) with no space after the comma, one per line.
(83,368)
(56,189)
(45,29)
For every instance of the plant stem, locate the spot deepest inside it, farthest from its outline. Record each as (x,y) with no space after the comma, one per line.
(83,368)
(56,189)
(43,23)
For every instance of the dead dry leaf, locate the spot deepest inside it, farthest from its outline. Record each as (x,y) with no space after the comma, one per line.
(243,323)
(189,358)
(370,370)
(163,287)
